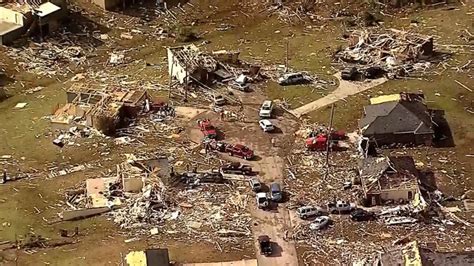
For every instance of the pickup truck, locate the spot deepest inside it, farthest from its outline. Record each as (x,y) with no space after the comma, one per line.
(236,168)
(237,150)
(340,207)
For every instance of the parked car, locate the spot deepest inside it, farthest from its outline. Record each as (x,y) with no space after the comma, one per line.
(308,211)
(266,125)
(207,129)
(340,207)
(245,87)
(219,100)
(292,79)
(255,184)
(236,168)
(262,200)
(349,73)
(276,194)
(239,150)
(362,215)
(266,109)
(265,245)
(319,223)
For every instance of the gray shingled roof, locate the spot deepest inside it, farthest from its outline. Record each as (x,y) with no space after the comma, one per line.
(396,117)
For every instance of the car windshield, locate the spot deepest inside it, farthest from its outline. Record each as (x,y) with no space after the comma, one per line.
(265,107)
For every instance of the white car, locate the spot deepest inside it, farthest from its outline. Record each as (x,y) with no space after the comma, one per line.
(266,125)
(266,109)
(319,223)
(262,200)
(307,211)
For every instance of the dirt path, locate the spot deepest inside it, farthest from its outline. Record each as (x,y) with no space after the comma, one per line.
(273,223)
(345,89)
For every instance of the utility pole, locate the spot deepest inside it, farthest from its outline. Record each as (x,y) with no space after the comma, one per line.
(329,139)
(287,52)
(186,81)
(171,78)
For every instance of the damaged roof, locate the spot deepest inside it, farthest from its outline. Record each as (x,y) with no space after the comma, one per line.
(413,254)
(380,173)
(396,118)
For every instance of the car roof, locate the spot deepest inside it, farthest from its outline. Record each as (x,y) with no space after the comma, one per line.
(292,74)
(266,122)
(267,102)
(320,218)
(275,185)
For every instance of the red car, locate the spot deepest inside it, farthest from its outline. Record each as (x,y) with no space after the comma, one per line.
(239,150)
(207,129)
(317,143)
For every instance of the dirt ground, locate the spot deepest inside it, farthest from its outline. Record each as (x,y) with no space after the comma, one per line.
(28,205)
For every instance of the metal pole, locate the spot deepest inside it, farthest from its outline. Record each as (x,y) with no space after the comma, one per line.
(287,51)
(329,139)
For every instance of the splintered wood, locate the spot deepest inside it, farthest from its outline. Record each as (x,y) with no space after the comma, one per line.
(393,51)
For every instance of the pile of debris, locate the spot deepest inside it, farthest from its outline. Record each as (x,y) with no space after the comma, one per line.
(139,198)
(395,52)
(48,58)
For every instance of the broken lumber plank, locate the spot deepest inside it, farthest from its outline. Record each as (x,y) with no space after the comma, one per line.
(462,85)
(83,213)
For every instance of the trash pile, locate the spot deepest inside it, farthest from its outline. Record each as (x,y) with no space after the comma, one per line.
(394,52)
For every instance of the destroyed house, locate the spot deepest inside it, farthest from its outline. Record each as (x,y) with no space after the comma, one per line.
(413,254)
(386,179)
(187,64)
(101,109)
(371,47)
(40,17)
(397,122)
